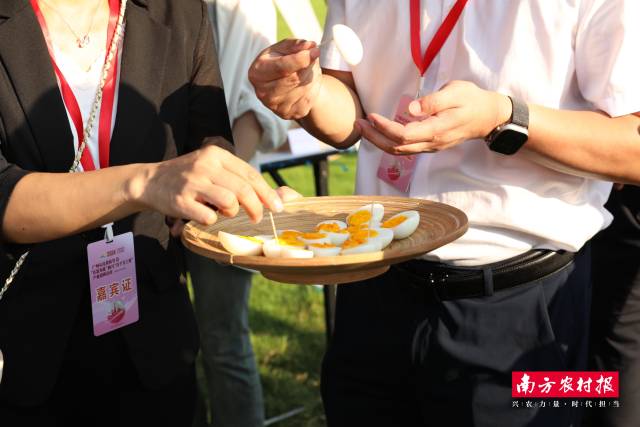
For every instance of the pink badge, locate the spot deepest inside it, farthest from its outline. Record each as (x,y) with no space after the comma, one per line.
(112,277)
(398,170)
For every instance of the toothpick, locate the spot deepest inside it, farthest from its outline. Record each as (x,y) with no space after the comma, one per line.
(370,219)
(273,226)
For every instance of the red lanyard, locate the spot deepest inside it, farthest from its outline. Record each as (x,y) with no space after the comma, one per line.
(108,94)
(439,38)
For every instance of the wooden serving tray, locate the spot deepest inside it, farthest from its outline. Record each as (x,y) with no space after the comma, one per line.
(439,224)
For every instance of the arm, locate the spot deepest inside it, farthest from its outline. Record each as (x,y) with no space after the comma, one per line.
(335,110)
(586,143)
(583,143)
(288,80)
(247,133)
(46,206)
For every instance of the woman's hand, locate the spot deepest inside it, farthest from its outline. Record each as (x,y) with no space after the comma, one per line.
(287,77)
(458,112)
(288,194)
(177,225)
(196,185)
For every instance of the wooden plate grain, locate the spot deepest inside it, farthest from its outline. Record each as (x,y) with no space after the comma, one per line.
(439,224)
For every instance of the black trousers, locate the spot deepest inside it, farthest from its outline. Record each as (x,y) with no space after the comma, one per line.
(98,386)
(615,330)
(400,357)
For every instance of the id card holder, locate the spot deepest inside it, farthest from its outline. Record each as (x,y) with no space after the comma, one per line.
(398,171)
(112,278)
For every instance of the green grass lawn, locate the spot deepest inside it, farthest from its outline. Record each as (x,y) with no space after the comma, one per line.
(287,321)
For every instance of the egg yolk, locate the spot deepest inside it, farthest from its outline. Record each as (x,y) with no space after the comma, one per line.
(359,218)
(352,243)
(355,228)
(394,222)
(364,234)
(290,242)
(313,236)
(251,239)
(331,227)
(290,234)
(322,245)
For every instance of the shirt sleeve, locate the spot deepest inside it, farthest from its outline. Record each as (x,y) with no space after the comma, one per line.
(606,54)
(10,174)
(208,115)
(247,26)
(330,57)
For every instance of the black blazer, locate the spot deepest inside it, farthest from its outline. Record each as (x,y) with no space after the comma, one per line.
(170,102)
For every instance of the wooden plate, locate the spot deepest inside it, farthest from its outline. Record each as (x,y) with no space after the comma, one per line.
(439,225)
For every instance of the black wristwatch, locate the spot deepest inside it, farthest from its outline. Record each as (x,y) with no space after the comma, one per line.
(508,138)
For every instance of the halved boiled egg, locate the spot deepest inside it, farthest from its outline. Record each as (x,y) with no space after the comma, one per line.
(240,245)
(336,230)
(311,238)
(368,214)
(274,248)
(360,246)
(324,249)
(403,224)
(290,234)
(381,235)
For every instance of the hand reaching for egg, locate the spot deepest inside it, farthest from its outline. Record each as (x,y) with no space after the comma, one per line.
(176,225)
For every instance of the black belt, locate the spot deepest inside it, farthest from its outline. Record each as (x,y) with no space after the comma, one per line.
(451,282)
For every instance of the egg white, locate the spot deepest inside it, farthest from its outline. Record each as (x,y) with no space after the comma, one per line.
(272,249)
(324,252)
(295,252)
(385,236)
(238,245)
(405,228)
(276,248)
(363,248)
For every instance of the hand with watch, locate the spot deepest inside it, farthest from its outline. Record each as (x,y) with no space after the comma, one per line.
(458,112)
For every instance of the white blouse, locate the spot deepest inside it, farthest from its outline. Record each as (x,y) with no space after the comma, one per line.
(84,84)
(564,54)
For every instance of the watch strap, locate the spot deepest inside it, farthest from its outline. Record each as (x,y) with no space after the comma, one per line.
(520,113)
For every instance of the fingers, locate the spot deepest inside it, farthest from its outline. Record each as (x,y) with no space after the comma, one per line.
(242,192)
(199,212)
(436,102)
(277,89)
(277,62)
(288,194)
(414,138)
(377,138)
(433,128)
(289,46)
(257,186)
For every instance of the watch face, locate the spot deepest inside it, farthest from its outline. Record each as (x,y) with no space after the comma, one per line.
(509,139)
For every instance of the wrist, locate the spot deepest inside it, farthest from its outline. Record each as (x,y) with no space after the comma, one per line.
(134,189)
(504,110)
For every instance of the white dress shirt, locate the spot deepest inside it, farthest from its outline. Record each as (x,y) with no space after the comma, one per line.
(242,29)
(563,54)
